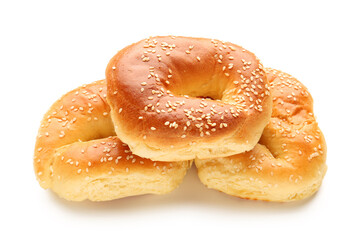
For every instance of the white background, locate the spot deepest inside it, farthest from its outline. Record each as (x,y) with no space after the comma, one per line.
(50,47)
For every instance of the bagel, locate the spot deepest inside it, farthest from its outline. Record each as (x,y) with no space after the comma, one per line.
(180,98)
(288,163)
(78,155)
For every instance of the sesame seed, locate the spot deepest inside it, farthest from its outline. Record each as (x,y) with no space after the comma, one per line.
(146,59)
(62,134)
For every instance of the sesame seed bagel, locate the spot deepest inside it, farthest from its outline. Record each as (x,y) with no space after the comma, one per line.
(79,156)
(288,163)
(180,98)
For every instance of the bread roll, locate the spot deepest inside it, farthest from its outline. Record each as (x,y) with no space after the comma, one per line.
(288,163)
(177,98)
(79,156)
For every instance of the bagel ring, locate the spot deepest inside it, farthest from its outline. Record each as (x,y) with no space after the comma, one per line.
(180,98)
(78,155)
(288,163)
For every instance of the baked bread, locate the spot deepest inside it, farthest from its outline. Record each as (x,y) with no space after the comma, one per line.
(288,163)
(177,98)
(78,155)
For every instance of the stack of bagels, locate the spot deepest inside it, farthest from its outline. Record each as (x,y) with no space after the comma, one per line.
(168,102)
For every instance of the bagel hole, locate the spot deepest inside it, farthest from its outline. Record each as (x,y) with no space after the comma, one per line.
(212,88)
(205,97)
(202,94)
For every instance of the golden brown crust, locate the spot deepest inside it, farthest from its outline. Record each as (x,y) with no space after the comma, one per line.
(78,156)
(154,88)
(289,161)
